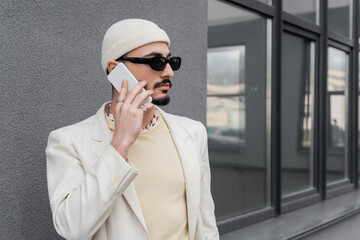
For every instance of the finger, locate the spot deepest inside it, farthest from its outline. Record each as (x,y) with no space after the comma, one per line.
(135,91)
(141,97)
(122,93)
(147,106)
(123,90)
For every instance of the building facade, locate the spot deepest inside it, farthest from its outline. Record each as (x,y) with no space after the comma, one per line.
(282,114)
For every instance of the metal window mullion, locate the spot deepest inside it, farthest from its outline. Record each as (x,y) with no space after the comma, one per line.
(354,88)
(276,110)
(298,31)
(315,134)
(300,23)
(321,100)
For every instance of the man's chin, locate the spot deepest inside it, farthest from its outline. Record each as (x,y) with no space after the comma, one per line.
(161,101)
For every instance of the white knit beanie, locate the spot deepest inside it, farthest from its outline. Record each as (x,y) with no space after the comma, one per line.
(127,35)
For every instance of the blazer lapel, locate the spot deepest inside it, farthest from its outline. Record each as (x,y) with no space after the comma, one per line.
(100,139)
(190,163)
(101,135)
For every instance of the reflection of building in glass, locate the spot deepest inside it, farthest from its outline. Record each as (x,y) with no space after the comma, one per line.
(336,119)
(226,98)
(305,9)
(237,79)
(297,111)
(337,135)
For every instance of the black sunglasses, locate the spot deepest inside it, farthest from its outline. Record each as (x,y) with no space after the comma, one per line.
(156,63)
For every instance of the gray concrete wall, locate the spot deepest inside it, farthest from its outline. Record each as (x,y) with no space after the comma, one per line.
(51,77)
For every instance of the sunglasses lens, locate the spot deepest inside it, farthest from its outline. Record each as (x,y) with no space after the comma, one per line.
(158,63)
(175,63)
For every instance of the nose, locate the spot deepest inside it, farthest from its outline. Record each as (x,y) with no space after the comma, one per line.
(167,72)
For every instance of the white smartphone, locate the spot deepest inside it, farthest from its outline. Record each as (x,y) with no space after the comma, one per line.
(117,76)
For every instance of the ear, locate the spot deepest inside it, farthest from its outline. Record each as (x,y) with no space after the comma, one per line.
(111,64)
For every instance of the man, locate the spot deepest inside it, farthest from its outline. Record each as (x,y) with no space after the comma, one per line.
(132,171)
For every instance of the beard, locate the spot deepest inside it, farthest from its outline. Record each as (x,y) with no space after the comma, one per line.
(161,101)
(164,100)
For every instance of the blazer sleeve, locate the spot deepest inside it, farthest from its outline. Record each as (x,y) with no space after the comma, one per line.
(81,202)
(207,206)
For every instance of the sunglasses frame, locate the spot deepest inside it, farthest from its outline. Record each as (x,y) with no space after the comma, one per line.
(150,62)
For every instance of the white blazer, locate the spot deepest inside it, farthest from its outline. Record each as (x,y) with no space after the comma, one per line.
(91,190)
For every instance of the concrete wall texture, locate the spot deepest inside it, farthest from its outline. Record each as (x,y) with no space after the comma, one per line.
(51,77)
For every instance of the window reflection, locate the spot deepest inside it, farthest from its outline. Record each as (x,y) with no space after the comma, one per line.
(297,84)
(336,116)
(306,128)
(337,78)
(225,129)
(337,119)
(340,17)
(226,99)
(237,108)
(305,9)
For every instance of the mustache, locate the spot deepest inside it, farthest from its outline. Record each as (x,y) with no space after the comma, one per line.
(163,82)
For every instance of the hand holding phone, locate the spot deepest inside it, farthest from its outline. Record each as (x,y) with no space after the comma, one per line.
(119,74)
(128,120)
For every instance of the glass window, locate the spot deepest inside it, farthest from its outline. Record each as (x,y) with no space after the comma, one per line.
(305,9)
(340,17)
(297,113)
(237,108)
(338,67)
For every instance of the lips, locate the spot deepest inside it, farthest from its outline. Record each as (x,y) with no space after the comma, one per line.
(164,86)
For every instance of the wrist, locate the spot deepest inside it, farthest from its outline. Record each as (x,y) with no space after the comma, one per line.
(121,146)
